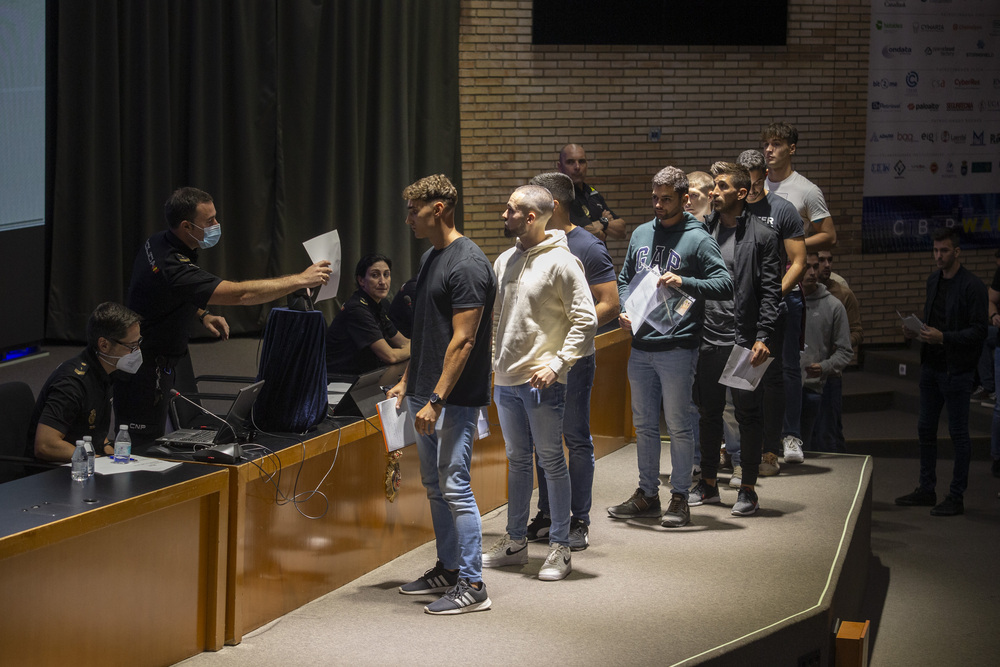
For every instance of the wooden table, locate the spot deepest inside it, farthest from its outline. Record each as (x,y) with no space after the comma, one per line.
(124,569)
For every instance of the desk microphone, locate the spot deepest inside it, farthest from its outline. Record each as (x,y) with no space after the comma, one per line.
(219,453)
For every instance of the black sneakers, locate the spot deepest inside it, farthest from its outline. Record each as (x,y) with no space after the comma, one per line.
(950,506)
(703,494)
(538,529)
(919,498)
(435,580)
(639,505)
(579,535)
(677,513)
(461,598)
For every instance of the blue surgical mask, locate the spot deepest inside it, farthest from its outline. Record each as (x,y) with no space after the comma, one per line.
(212,235)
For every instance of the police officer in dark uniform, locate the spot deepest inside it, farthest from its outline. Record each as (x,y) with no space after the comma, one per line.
(362,337)
(170,291)
(76,399)
(588,210)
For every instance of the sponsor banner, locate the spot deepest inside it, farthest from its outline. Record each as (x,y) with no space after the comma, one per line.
(905,224)
(933,112)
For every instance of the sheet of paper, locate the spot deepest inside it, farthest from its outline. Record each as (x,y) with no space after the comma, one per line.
(911,323)
(738,372)
(326,246)
(483,425)
(397,425)
(104,465)
(644,298)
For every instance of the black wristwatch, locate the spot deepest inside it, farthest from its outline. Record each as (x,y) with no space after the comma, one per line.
(435,399)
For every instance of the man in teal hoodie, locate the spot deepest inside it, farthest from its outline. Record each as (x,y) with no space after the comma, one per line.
(662,362)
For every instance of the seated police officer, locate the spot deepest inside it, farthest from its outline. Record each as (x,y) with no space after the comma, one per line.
(76,399)
(361,337)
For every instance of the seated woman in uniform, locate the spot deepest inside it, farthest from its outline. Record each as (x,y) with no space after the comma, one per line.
(361,337)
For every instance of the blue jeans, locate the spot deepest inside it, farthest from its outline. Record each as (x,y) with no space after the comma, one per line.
(534,418)
(790,351)
(829,429)
(937,389)
(662,378)
(995,435)
(445,458)
(731,429)
(579,444)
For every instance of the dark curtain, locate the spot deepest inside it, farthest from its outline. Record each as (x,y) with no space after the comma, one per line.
(297,116)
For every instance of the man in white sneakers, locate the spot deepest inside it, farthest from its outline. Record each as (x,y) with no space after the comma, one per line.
(545,323)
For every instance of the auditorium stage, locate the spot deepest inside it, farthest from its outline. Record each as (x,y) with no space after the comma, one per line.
(763,590)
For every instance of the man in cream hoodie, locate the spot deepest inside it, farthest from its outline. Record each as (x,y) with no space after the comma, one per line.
(545,322)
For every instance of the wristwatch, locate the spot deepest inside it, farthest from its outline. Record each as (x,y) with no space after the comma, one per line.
(604,223)
(435,399)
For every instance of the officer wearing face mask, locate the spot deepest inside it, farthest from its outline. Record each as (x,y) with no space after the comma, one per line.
(76,399)
(172,293)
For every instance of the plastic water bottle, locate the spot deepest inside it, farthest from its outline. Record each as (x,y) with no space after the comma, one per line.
(123,445)
(88,444)
(79,463)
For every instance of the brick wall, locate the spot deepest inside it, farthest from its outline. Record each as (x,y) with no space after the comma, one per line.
(521,103)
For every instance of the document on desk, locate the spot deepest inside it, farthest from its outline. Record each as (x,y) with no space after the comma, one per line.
(661,307)
(105,465)
(911,323)
(326,246)
(738,372)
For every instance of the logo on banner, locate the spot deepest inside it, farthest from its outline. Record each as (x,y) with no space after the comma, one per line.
(981,53)
(989,106)
(888,26)
(982,167)
(927,136)
(994,139)
(934,167)
(968,84)
(960,106)
(977,138)
(964,27)
(923,106)
(946,51)
(885,106)
(912,78)
(894,3)
(884,84)
(905,137)
(880,168)
(883,136)
(949,169)
(899,168)
(927,27)
(896,51)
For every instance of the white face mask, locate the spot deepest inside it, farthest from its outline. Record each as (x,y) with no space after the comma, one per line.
(129,363)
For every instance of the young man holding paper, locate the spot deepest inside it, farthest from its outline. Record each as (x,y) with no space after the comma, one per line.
(662,357)
(747,319)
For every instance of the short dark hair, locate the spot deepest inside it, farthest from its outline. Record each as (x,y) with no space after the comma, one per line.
(781,131)
(109,320)
(367,261)
(948,233)
(753,160)
(559,184)
(672,177)
(183,204)
(740,174)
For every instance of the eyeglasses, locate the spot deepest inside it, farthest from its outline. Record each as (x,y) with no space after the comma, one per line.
(131,346)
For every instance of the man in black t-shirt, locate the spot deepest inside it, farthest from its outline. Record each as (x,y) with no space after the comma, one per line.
(448,379)
(76,399)
(169,290)
(951,337)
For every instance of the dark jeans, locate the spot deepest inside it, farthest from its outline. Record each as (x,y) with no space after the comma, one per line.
(792,348)
(810,423)
(579,443)
(987,379)
(938,389)
(829,429)
(710,397)
(773,384)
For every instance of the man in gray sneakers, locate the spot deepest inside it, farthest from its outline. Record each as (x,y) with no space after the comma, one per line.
(545,323)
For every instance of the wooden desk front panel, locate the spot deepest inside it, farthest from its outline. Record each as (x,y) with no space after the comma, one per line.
(145,590)
(285,559)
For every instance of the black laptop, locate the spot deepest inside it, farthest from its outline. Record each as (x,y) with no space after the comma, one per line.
(357,395)
(238,421)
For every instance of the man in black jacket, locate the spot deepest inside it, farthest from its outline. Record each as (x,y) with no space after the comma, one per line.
(952,336)
(750,250)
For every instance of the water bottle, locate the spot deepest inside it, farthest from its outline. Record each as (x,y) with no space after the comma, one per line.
(79,470)
(88,444)
(123,445)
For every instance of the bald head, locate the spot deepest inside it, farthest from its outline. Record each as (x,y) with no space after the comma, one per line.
(573,163)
